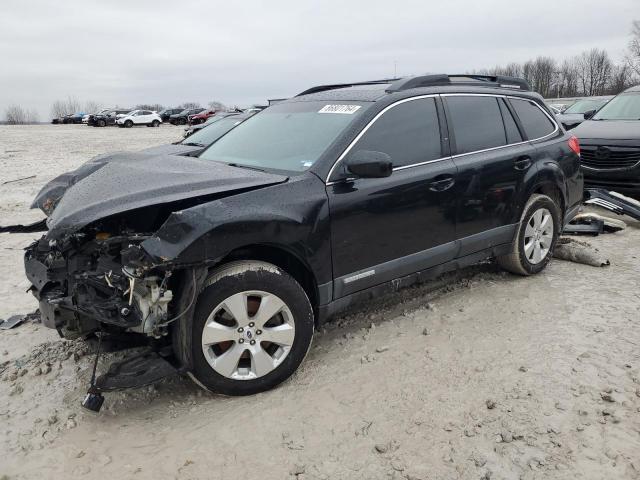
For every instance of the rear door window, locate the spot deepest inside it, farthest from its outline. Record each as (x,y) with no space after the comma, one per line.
(477,123)
(409,133)
(534,121)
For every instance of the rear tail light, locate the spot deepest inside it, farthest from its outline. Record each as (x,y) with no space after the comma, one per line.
(574,145)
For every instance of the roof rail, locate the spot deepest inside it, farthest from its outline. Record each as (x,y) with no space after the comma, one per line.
(496,81)
(322,88)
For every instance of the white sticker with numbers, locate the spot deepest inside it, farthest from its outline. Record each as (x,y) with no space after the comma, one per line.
(345,109)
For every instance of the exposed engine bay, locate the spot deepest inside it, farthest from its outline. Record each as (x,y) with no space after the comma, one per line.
(87,279)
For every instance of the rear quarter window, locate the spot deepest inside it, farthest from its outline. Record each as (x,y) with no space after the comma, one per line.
(534,121)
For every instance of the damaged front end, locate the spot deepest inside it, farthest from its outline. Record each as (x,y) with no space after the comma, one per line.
(124,254)
(90,271)
(90,281)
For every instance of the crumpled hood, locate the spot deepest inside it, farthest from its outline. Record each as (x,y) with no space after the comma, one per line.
(116,183)
(608,129)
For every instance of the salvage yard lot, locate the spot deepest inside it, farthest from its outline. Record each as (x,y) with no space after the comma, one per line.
(486,374)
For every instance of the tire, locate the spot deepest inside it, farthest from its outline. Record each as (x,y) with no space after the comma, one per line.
(182,121)
(231,360)
(536,237)
(128,124)
(155,123)
(102,123)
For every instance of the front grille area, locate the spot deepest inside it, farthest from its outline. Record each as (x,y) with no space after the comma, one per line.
(606,157)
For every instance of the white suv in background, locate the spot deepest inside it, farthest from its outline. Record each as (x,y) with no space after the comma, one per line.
(139,117)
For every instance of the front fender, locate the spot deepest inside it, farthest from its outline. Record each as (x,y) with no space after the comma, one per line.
(294,215)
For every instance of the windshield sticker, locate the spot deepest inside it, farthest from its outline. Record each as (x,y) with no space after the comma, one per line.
(345,109)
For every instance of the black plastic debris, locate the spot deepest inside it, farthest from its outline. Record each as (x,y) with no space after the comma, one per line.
(593,227)
(613,201)
(39,226)
(593,224)
(137,371)
(12,321)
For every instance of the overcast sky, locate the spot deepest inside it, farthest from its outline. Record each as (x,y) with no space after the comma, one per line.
(243,52)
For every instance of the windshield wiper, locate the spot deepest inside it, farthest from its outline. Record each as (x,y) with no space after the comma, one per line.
(245,166)
(193,144)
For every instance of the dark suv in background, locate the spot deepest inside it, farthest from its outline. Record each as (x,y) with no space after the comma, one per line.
(182,117)
(332,197)
(610,142)
(583,108)
(167,112)
(108,118)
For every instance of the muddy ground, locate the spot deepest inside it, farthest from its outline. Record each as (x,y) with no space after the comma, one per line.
(482,375)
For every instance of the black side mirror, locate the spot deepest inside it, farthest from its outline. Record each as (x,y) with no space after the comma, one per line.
(588,114)
(369,164)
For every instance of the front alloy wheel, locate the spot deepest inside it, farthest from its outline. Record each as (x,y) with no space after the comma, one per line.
(252,327)
(248,335)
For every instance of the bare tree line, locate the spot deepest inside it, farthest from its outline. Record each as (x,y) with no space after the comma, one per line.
(16,115)
(588,74)
(72,105)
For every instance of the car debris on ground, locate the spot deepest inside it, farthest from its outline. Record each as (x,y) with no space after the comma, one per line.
(613,201)
(15,320)
(593,224)
(579,252)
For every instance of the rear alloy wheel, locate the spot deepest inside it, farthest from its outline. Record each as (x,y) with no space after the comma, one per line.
(536,237)
(128,124)
(102,123)
(182,121)
(253,326)
(155,123)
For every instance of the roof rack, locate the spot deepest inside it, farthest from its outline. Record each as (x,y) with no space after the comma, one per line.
(322,88)
(496,81)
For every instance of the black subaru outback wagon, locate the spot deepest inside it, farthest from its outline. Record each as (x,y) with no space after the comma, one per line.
(336,195)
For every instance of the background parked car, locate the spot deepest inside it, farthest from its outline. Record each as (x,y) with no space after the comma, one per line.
(89,118)
(167,112)
(561,107)
(139,117)
(204,137)
(554,110)
(610,145)
(108,118)
(73,118)
(191,129)
(201,117)
(574,115)
(183,117)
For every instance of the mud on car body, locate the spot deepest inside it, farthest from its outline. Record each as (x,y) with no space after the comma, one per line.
(336,195)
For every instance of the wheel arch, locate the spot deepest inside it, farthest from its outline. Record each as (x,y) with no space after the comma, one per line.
(551,181)
(283,258)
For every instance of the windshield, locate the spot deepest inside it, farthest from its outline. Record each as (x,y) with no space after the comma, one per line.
(585,105)
(625,106)
(286,136)
(206,136)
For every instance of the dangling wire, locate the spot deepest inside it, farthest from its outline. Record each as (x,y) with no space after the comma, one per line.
(95,363)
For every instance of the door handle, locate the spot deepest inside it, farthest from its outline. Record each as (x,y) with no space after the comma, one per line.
(441,185)
(522,163)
